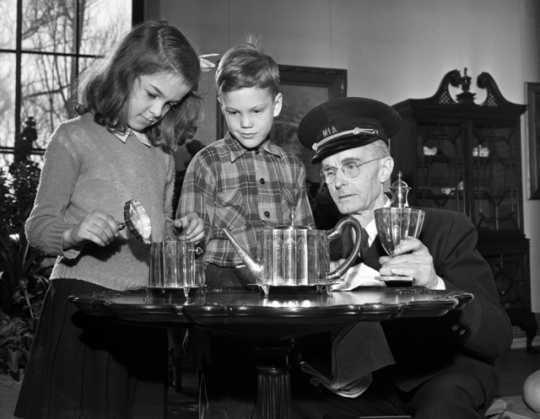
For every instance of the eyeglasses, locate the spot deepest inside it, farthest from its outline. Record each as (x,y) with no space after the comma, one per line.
(350,168)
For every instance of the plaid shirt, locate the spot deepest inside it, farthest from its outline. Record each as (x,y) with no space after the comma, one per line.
(242,190)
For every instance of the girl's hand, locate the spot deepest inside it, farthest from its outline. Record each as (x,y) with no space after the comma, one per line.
(97,227)
(192,227)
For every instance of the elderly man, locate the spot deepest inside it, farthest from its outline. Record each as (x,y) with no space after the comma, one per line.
(443,366)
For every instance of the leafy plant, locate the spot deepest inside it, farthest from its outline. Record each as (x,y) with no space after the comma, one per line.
(16,335)
(24,277)
(24,271)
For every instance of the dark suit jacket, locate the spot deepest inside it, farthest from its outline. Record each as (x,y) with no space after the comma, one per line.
(473,336)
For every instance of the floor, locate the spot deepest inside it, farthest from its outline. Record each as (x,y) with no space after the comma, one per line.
(513,368)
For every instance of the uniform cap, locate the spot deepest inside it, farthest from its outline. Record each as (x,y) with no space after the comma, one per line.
(344,123)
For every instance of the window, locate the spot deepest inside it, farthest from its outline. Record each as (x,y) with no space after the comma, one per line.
(45,45)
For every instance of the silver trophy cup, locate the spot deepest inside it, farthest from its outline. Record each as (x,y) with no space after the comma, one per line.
(393,225)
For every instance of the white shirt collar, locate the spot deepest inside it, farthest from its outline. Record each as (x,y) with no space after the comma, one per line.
(371,230)
(123,136)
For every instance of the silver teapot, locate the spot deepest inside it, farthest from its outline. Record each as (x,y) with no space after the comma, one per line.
(294,256)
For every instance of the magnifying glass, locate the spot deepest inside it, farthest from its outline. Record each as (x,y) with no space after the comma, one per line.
(137,221)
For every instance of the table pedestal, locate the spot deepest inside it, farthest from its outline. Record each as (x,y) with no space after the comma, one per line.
(273,380)
(273,393)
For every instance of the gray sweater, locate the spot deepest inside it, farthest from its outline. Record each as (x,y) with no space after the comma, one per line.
(88,168)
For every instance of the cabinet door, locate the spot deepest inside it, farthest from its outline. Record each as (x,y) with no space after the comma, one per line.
(464,166)
(438,173)
(496,179)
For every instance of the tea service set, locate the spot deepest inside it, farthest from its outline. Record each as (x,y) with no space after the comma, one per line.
(289,257)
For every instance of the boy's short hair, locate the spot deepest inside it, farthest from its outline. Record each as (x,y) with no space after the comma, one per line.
(247,66)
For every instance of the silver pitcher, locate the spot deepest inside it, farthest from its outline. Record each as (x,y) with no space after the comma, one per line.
(296,256)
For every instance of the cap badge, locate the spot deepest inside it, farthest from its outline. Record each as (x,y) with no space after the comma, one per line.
(329,131)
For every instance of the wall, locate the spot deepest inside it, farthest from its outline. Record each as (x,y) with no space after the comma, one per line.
(392,50)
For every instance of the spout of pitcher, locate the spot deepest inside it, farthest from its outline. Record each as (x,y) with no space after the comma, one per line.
(255,268)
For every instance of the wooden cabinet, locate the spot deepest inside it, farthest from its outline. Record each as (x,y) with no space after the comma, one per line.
(465,156)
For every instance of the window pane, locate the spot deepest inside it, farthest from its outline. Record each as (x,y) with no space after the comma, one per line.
(48,82)
(5,160)
(46,92)
(105,21)
(8,15)
(49,25)
(88,64)
(7,100)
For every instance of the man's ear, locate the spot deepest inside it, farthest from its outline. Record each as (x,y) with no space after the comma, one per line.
(385,169)
(278,103)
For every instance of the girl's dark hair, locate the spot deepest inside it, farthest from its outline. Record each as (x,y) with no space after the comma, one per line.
(148,48)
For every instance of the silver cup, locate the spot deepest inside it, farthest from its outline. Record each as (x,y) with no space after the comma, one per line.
(174,266)
(395,224)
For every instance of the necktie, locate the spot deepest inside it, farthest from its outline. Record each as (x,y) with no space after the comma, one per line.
(372,254)
(348,243)
(364,243)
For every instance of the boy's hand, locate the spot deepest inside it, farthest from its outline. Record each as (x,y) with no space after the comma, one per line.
(97,227)
(192,227)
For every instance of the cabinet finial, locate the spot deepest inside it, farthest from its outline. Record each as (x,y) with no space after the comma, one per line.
(465,83)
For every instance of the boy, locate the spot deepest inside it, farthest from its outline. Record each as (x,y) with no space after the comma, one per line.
(244,181)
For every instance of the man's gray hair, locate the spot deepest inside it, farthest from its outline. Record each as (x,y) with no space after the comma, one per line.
(377,149)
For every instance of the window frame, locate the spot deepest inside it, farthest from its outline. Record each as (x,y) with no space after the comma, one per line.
(137,16)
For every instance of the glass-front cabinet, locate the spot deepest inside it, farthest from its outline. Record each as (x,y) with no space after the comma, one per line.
(466,156)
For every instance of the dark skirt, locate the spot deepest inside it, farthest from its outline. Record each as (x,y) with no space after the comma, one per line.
(91,367)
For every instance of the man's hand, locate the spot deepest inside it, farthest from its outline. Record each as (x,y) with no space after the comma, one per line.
(192,227)
(411,258)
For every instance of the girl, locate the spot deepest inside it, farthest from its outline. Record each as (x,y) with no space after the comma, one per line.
(132,114)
